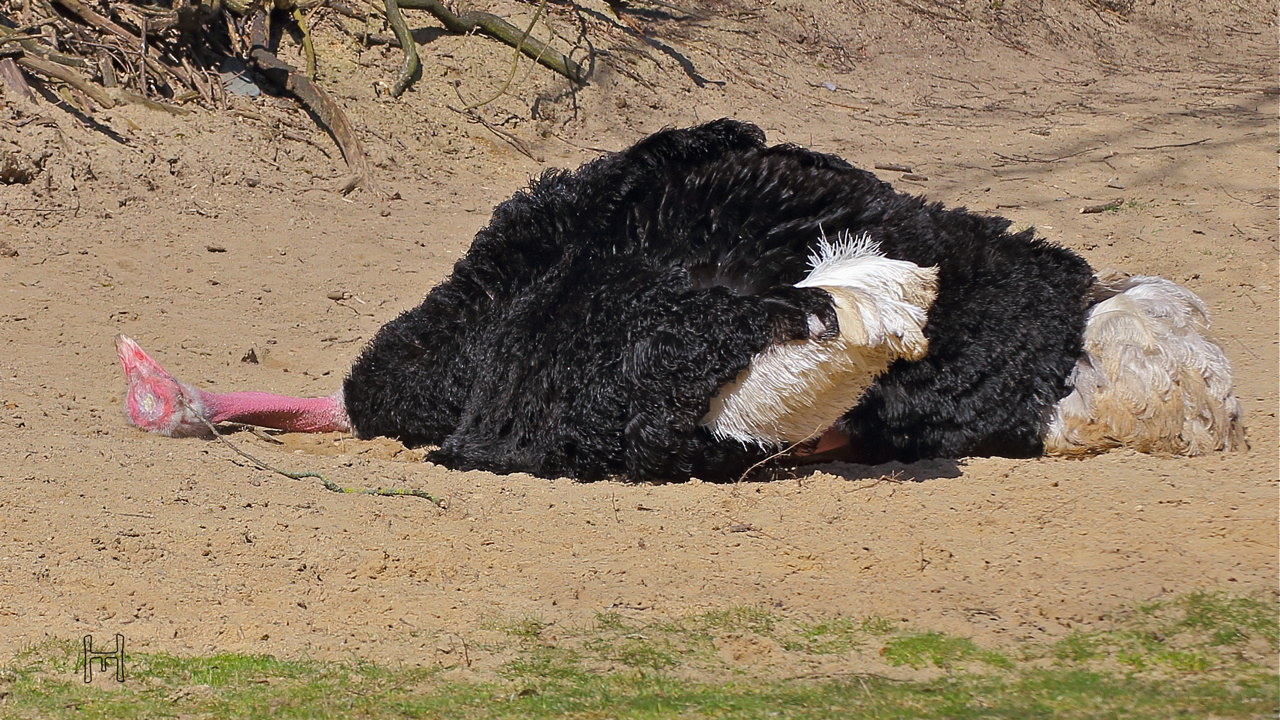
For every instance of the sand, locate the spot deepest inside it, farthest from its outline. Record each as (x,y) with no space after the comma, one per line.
(211,235)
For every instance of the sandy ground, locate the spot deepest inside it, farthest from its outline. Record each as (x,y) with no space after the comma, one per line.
(210,235)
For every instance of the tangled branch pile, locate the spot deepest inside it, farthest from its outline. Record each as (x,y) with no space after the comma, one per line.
(169,53)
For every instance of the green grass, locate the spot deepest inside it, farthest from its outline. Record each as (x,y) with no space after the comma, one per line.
(1196,655)
(930,648)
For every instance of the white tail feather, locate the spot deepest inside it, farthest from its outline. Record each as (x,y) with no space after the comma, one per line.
(1152,376)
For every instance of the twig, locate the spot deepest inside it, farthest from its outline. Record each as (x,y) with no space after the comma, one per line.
(1246,347)
(15,37)
(944,11)
(515,60)
(1171,145)
(474,116)
(780,453)
(737,526)
(328,484)
(1238,199)
(145,516)
(142,55)
(1028,159)
(890,478)
(847,106)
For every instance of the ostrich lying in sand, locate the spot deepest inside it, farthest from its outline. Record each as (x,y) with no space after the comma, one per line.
(701,301)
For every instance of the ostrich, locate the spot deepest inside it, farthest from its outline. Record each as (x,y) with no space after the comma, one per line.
(702,301)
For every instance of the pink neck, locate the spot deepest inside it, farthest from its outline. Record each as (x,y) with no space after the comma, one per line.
(325,414)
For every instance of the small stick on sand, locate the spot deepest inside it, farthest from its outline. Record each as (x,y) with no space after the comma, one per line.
(1093,209)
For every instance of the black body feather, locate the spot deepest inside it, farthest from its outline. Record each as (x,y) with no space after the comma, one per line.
(592,321)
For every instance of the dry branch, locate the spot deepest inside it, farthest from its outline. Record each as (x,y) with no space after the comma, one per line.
(29,45)
(316,100)
(160,70)
(412,66)
(496,27)
(67,75)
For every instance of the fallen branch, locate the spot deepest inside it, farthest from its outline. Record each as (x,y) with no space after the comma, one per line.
(411,68)
(317,101)
(500,29)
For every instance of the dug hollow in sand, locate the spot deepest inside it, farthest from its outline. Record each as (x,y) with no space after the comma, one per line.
(678,309)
